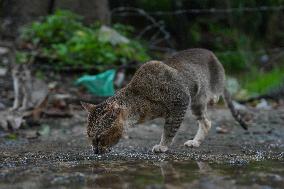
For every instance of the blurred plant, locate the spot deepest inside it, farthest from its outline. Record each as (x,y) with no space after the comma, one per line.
(123,29)
(22,57)
(234,49)
(62,38)
(262,82)
(239,38)
(54,29)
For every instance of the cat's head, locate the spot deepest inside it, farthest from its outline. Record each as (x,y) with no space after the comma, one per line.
(105,125)
(21,70)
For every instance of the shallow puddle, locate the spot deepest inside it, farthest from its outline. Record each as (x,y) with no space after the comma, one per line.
(145,174)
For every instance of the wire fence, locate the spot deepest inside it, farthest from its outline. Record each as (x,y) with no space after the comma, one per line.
(165,36)
(160,34)
(123,10)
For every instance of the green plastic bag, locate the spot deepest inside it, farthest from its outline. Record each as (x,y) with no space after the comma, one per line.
(99,85)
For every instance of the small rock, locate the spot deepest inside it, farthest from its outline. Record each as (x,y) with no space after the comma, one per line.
(2,106)
(221,130)
(68,179)
(264,59)
(15,121)
(232,85)
(3,50)
(263,104)
(31,134)
(44,131)
(270,177)
(52,85)
(3,72)
(247,116)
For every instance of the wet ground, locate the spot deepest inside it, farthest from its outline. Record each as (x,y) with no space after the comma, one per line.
(62,158)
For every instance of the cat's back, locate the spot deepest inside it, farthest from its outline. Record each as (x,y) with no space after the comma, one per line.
(156,81)
(201,66)
(190,71)
(154,73)
(193,57)
(183,61)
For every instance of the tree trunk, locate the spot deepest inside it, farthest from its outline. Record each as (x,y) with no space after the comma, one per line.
(91,10)
(51,6)
(16,13)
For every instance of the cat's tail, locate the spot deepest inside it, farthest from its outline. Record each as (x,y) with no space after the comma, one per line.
(235,113)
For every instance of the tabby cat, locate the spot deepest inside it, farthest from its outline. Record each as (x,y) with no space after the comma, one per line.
(189,79)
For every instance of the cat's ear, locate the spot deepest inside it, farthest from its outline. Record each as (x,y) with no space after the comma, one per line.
(115,105)
(87,106)
(122,112)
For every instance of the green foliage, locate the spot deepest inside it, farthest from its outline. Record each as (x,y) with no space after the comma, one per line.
(22,57)
(234,61)
(232,47)
(62,38)
(12,136)
(123,29)
(54,29)
(235,36)
(259,82)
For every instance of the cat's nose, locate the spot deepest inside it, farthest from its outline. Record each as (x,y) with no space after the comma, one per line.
(95,149)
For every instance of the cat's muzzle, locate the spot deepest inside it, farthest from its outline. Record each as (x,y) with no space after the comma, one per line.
(98,150)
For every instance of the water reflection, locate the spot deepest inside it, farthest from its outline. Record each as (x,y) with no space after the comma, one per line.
(200,176)
(171,177)
(188,174)
(145,174)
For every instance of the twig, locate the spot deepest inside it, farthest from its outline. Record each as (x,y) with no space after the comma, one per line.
(148,28)
(153,24)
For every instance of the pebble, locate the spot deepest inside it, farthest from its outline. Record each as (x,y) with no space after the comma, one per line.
(263,104)
(3,72)
(221,130)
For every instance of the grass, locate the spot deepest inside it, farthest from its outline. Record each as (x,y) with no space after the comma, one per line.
(258,82)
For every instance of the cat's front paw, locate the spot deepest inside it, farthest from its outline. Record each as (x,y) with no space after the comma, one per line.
(192,143)
(13,108)
(159,149)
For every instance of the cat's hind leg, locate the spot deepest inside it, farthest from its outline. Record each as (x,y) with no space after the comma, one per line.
(27,90)
(203,123)
(25,100)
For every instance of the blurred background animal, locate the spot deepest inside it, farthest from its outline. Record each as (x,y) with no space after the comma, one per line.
(29,92)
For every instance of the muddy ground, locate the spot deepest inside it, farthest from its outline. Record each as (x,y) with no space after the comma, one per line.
(62,158)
